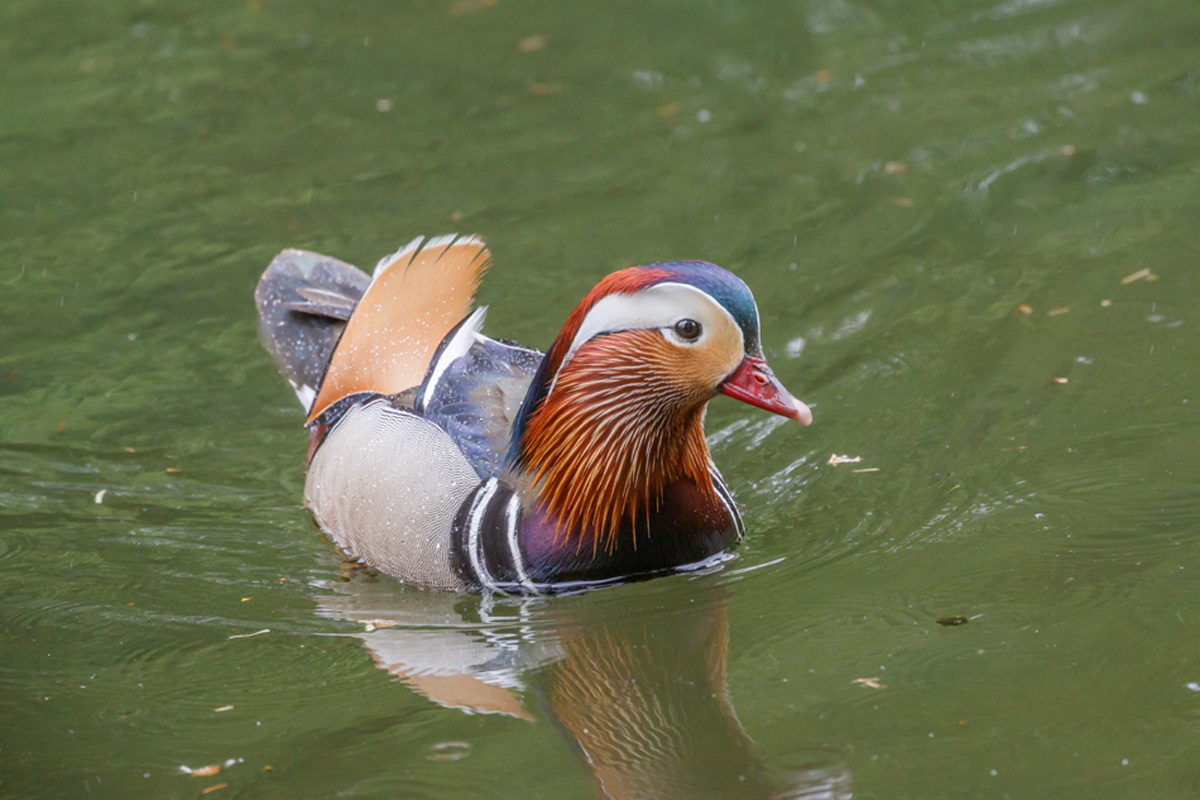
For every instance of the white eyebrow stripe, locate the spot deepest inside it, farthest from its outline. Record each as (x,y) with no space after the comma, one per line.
(657,306)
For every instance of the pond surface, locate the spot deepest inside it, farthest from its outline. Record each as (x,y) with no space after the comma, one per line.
(972,231)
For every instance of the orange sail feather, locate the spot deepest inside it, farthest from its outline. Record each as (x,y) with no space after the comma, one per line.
(415,298)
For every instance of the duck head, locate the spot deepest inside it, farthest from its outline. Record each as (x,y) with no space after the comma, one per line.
(614,416)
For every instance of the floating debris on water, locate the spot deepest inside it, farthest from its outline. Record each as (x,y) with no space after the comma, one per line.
(1141,274)
(248,635)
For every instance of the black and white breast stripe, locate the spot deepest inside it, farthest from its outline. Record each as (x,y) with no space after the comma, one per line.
(727,498)
(489,561)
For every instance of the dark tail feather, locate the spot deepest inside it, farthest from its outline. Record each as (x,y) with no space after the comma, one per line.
(304,300)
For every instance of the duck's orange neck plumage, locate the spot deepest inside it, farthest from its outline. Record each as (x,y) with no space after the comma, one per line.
(618,428)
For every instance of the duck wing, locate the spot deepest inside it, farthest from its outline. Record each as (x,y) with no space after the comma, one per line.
(474,390)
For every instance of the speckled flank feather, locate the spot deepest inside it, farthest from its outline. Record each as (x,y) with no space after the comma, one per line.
(415,298)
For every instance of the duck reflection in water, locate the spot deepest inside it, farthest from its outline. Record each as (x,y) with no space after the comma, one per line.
(639,692)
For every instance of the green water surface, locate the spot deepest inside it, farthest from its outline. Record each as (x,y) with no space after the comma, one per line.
(937,205)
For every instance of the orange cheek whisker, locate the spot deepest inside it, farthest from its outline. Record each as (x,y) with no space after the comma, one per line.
(610,437)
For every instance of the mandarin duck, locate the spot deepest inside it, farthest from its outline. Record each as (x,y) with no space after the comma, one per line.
(451,460)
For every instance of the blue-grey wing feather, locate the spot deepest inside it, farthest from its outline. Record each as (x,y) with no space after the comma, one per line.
(478,397)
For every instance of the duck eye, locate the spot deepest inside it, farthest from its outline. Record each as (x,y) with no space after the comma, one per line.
(688,329)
